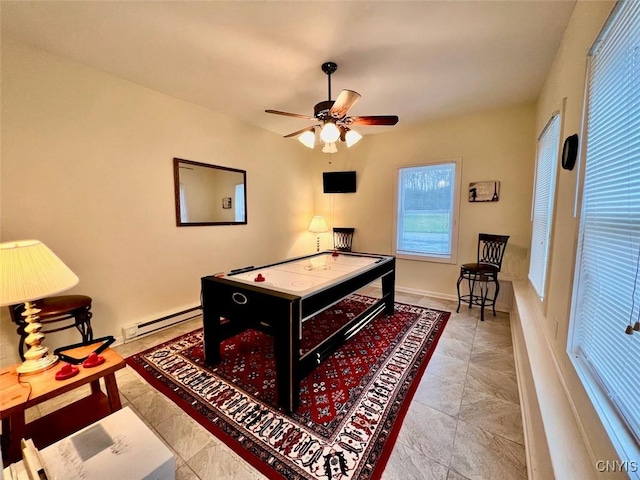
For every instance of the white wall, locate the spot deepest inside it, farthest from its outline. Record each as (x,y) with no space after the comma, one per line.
(87,169)
(495,145)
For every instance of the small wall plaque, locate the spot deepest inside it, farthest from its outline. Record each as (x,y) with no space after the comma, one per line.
(484,191)
(226,202)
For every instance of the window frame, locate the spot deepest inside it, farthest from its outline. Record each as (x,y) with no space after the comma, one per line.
(625,442)
(453,257)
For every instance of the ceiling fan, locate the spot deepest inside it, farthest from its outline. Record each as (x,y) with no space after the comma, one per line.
(334,124)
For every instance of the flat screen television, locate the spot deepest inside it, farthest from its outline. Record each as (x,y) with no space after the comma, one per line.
(339,182)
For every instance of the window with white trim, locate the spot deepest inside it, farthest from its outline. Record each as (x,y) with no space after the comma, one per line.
(605,346)
(543,197)
(427,211)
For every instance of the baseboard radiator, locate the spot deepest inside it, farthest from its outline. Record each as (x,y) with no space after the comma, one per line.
(140,329)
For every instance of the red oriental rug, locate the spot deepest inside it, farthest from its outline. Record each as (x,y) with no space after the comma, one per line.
(351,406)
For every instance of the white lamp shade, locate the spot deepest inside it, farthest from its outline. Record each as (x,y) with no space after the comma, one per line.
(308,139)
(318,225)
(329,133)
(352,137)
(29,271)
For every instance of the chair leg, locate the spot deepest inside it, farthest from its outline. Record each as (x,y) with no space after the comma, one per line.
(495,295)
(83,324)
(484,291)
(23,336)
(460,278)
(472,287)
(21,347)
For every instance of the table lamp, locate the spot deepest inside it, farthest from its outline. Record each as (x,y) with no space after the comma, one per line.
(318,226)
(30,271)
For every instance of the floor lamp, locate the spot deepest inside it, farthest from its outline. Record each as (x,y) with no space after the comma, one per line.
(30,271)
(318,226)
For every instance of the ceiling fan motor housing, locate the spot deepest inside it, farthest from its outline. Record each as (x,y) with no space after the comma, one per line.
(321,110)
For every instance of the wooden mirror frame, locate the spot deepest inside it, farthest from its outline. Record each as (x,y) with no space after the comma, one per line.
(226,200)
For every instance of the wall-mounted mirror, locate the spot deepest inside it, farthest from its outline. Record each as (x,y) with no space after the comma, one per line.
(208,194)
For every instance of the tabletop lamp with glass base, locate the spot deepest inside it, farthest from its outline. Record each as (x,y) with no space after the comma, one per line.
(318,225)
(30,271)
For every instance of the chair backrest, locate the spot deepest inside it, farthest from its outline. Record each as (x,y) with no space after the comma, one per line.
(491,249)
(343,238)
(15,312)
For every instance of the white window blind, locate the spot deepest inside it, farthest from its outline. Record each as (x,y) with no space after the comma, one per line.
(543,193)
(607,292)
(427,211)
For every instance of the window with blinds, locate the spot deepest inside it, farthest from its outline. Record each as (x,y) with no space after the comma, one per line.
(542,212)
(605,346)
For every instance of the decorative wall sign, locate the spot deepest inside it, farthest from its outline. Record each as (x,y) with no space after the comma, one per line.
(484,191)
(226,202)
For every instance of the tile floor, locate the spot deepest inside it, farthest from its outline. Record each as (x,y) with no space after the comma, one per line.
(464,421)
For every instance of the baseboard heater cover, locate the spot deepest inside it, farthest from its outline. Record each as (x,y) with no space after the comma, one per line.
(150,326)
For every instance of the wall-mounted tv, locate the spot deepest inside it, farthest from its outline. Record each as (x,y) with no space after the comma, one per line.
(339,182)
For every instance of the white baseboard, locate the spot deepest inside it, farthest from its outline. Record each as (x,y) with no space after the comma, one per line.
(504,298)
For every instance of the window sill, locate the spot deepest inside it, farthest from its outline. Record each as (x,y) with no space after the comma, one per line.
(622,439)
(425,258)
(554,444)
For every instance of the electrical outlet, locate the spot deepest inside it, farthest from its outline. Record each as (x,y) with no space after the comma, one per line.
(130,332)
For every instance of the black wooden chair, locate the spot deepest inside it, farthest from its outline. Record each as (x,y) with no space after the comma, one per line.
(72,310)
(485,271)
(343,238)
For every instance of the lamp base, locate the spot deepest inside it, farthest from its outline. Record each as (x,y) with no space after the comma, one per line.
(37,358)
(37,365)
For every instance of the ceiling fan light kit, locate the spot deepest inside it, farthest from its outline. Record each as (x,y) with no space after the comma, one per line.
(334,124)
(352,137)
(308,138)
(329,133)
(329,147)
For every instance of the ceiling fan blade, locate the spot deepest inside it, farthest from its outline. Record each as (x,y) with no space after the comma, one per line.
(343,103)
(373,120)
(287,114)
(299,132)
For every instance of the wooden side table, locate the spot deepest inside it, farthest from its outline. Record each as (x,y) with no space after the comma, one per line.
(17,393)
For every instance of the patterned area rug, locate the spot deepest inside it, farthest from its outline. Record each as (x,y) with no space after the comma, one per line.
(351,406)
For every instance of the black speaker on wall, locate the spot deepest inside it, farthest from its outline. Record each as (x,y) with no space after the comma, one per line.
(570,152)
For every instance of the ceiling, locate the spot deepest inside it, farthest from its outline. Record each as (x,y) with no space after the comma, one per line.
(420,60)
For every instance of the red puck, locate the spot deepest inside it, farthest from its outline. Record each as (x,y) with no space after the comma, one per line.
(93,360)
(67,371)
(260,278)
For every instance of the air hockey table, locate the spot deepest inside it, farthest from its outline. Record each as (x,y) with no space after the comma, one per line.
(279,298)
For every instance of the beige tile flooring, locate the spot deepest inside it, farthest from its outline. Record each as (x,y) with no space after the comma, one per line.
(464,421)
